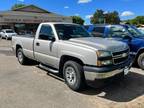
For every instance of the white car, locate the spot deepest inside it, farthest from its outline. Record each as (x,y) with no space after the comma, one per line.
(7,33)
(141,29)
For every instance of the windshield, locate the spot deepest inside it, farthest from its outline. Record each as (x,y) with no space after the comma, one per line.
(118,31)
(68,31)
(134,31)
(9,31)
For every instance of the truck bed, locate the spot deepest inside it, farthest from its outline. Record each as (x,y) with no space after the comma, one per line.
(26,41)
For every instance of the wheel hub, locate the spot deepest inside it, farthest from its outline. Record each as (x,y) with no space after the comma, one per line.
(20,56)
(142,61)
(70,75)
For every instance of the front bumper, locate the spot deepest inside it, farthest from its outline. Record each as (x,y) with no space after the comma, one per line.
(94,73)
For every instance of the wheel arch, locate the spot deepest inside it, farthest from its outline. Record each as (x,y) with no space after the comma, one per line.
(66,58)
(17,47)
(139,52)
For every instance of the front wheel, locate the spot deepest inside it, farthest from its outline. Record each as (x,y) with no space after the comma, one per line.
(73,75)
(141,61)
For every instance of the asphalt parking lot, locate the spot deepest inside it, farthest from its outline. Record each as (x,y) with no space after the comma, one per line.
(31,87)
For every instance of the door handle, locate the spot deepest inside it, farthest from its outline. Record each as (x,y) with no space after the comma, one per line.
(37,44)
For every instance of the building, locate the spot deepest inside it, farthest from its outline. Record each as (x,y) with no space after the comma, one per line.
(28,17)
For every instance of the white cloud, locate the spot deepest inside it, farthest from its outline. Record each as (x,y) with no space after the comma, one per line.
(66,7)
(88,16)
(84,1)
(127,13)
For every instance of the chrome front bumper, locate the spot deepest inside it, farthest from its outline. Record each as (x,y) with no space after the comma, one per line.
(91,76)
(93,73)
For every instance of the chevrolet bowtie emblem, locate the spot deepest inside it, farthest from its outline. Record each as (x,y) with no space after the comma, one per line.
(124,54)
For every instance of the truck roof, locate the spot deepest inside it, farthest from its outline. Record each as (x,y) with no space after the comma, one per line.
(104,25)
(58,23)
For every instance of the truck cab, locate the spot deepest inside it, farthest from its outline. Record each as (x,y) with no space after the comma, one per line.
(125,33)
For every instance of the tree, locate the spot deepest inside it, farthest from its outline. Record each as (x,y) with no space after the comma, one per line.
(98,17)
(78,20)
(101,17)
(15,6)
(112,17)
(136,21)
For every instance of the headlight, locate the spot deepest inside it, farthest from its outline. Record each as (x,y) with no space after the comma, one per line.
(104,58)
(104,63)
(103,53)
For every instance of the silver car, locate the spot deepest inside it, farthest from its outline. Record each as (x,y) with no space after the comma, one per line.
(7,33)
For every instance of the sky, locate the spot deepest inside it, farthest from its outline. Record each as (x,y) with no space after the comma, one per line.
(84,8)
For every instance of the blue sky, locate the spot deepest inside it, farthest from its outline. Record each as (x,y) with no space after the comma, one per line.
(85,8)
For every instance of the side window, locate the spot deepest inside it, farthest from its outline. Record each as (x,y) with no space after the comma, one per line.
(86,27)
(98,31)
(118,31)
(46,33)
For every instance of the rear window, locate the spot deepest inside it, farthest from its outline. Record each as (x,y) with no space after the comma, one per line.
(86,27)
(99,29)
(9,31)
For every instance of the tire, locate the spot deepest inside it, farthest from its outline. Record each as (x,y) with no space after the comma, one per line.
(21,57)
(6,37)
(140,61)
(74,75)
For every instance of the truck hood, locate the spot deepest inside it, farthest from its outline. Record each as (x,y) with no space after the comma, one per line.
(100,43)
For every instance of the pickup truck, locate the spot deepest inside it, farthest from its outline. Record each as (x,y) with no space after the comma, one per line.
(68,49)
(125,33)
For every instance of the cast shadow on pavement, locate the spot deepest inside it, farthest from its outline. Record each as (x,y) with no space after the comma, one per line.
(127,90)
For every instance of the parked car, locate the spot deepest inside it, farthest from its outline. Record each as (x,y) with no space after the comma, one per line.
(125,33)
(7,33)
(141,30)
(68,49)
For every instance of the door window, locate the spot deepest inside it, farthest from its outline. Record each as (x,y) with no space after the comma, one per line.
(118,31)
(98,31)
(46,33)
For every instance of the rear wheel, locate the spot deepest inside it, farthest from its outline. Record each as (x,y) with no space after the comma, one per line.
(140,61)
(21,57)
(73,75)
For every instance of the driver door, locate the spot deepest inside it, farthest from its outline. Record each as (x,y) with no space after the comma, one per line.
(46,50)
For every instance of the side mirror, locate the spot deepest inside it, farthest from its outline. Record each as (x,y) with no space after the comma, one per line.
(46,37)
(53,39)
(128,37)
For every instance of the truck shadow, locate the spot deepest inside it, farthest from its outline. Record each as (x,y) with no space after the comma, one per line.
(127,90)
(130,88)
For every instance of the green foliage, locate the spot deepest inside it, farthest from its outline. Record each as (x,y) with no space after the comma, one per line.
(15,6)
(78,20)
(98,17)
(136,21)
(109,18)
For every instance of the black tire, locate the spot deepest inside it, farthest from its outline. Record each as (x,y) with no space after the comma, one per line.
(140,61)
(79,82)
(22,60)
(6,37)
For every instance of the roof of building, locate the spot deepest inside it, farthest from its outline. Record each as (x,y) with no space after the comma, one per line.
(30,10)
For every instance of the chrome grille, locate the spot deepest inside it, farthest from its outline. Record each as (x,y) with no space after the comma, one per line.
(119,57)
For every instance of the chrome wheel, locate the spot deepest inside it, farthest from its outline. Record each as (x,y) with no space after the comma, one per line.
(142,61)
(20,56)
(70,75)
